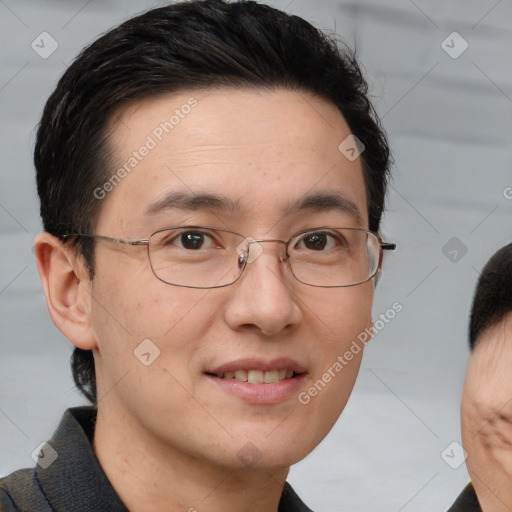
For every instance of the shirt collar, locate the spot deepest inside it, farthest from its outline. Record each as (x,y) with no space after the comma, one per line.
(75,478)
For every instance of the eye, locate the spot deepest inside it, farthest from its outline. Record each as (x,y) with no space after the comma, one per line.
(320,241)
(191,240)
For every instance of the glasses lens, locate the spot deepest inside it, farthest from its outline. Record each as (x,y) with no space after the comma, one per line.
(195,257)
(334,257)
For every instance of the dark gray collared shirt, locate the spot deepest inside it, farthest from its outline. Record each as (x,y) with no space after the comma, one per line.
(74,480)
(467,501)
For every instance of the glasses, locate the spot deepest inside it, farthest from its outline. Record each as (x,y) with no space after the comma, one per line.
(204,257)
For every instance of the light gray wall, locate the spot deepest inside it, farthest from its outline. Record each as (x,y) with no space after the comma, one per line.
(450,125)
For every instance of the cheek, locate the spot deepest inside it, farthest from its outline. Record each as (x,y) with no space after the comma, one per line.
(131,321)
(137,305)
(340,315)
(150,335)
(341,326)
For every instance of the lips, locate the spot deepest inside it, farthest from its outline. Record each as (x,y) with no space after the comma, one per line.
(257,382)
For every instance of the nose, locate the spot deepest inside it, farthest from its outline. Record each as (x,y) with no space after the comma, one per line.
(263,297)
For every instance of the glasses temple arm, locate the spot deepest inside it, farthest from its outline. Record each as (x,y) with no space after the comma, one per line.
(109,239)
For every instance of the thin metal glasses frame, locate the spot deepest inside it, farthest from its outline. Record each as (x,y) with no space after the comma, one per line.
(384,246)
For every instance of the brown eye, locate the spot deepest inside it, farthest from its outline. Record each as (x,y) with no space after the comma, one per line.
(319,241)
(315,241)
(192,240)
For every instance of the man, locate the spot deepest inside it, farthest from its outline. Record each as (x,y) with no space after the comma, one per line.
(211,176)
(486,406)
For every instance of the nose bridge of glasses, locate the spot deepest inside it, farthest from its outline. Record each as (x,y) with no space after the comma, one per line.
(255,249)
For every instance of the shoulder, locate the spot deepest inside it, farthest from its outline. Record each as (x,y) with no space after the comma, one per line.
(20,491)
(31,490)
(467,501)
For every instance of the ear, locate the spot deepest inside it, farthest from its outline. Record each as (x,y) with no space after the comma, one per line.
(67,289)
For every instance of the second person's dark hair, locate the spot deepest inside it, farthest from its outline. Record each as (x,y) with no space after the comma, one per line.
(493,295)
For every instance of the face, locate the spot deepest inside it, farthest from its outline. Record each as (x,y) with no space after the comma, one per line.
(486,414)
(263,151)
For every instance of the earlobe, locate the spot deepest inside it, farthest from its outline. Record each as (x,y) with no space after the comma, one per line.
(66,287)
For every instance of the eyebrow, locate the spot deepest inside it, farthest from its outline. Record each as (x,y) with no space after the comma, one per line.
(318,202)
(323,202)
(191,201)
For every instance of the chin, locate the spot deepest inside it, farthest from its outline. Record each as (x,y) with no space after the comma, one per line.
(272,451)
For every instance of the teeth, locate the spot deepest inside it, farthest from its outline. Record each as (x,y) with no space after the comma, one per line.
(241,375)
(255,376)
(272,376)
(258,376)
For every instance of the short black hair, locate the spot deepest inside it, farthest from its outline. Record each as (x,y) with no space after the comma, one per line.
(492,301)
(186,45)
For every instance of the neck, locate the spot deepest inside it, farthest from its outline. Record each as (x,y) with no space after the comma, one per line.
(149,476)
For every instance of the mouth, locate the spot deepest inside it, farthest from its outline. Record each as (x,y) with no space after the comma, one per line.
(259,382)
(258,376)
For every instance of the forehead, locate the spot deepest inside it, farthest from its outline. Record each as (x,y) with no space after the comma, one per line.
(261,150)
